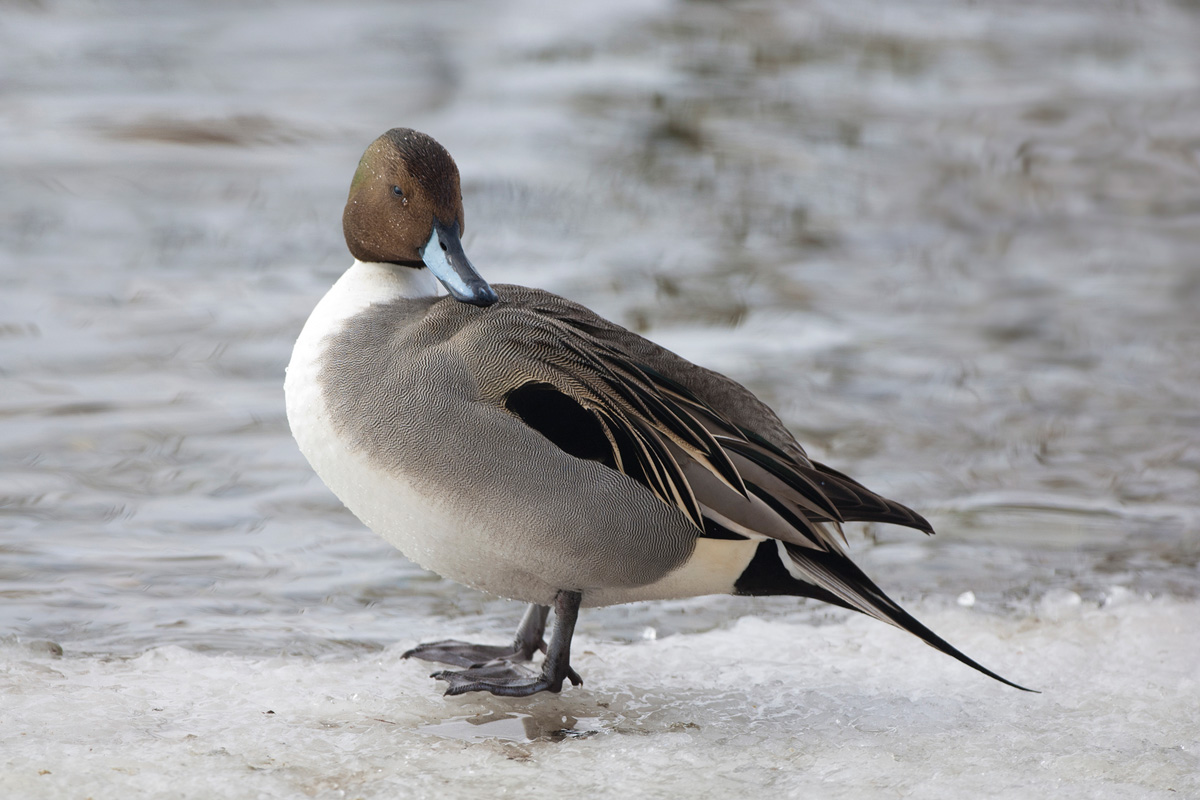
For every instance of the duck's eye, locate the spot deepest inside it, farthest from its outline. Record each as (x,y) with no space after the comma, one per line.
(396,190)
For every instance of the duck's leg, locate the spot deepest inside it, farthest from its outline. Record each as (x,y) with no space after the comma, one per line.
(509,680)
(464,654)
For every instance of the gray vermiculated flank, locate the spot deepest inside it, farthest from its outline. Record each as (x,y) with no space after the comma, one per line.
(418,387)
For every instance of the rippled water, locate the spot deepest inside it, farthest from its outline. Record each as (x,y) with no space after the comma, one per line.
(956,246)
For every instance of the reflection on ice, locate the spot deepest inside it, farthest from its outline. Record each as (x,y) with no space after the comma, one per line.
(514,727)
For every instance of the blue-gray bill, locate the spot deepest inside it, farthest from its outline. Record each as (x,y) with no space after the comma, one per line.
(443,255)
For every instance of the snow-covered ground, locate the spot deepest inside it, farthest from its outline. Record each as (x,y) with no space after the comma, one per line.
(846,709)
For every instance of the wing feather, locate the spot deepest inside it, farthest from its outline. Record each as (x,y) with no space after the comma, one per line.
(688,451)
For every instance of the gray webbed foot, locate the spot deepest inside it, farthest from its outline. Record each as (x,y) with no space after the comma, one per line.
(464,654)
(505,676)
(505,679)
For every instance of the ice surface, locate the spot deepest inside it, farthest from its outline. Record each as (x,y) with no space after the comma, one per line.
(846,709)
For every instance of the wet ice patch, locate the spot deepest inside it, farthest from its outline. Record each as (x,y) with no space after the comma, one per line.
(513,727)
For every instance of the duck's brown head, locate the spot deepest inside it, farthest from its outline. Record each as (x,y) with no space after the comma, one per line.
(405,207)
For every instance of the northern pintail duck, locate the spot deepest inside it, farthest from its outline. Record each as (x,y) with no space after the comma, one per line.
(514,441)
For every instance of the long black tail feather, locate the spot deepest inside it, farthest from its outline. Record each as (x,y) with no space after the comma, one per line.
(837,575)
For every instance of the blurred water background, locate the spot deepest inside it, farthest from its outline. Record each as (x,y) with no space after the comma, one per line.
(955,245)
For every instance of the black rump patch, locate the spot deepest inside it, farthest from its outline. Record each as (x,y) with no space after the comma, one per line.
(766,575)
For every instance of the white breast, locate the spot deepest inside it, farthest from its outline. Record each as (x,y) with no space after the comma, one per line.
(385,503)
